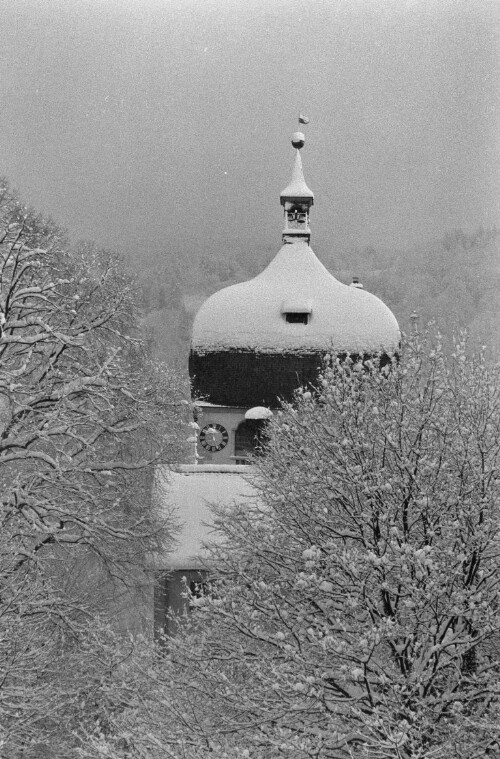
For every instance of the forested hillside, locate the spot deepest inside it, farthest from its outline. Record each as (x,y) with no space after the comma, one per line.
(454,282)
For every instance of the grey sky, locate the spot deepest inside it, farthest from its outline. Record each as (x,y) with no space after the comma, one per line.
(156,124)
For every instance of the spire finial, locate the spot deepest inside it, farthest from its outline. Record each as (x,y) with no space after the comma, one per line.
(298,140)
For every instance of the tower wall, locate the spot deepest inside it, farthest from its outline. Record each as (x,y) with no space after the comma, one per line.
(250,378)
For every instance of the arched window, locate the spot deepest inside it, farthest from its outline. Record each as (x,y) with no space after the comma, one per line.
(177,592)
(249,437)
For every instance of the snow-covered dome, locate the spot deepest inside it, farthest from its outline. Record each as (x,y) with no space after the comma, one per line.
(258,341)
(253,315)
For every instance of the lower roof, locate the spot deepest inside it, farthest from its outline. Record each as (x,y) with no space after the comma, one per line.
(190,491)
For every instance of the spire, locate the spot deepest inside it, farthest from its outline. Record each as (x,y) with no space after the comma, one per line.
(297,199)
(297,189)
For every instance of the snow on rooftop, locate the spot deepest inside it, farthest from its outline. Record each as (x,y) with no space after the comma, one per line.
(248,316)
(207,404)
(258,412)
(190,491)
(297,187)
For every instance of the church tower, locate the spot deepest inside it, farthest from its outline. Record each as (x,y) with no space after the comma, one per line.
(256,342)
(253,345)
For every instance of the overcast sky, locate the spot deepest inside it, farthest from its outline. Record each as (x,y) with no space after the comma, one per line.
(156,124)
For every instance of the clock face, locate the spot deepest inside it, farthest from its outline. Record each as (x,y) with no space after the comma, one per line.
(214,437)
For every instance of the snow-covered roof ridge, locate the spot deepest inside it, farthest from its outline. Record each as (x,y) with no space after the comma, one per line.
(248,316)
(218,468)
(297,188)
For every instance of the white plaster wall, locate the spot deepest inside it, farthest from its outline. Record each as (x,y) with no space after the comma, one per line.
(228,417)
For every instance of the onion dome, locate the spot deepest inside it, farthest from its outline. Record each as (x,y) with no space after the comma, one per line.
(258,341)
(295,305)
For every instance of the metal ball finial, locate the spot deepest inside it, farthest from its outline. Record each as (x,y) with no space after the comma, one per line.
(298,140)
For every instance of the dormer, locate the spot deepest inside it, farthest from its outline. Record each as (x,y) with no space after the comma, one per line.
(296,311)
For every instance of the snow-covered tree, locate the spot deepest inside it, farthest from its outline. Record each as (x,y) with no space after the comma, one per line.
(83,421)
(354,609)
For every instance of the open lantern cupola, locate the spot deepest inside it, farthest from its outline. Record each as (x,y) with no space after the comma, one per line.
(297,199)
